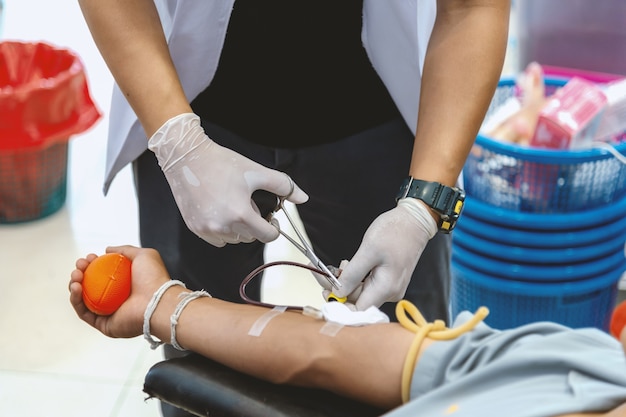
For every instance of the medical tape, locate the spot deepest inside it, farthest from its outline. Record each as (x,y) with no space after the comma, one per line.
(331,328)
(313,312)
(259,325)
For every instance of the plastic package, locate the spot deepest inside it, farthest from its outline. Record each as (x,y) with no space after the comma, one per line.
(570,117)
(613,121)
(44,100)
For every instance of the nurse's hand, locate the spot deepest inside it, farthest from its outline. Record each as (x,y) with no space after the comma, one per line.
(382,267)
(213,185)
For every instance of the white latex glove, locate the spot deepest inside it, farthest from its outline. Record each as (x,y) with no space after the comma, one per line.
(213,185)
(381,269)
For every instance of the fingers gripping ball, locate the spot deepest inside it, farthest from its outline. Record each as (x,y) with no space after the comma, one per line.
(106,283)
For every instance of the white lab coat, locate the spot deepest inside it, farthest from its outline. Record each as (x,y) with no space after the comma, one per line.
(395,35)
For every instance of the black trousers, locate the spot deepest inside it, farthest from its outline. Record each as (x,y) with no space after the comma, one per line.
(349,183)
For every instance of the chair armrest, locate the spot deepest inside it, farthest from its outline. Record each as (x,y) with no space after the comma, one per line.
(204,387)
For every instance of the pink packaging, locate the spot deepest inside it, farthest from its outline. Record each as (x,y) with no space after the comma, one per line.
(570,117)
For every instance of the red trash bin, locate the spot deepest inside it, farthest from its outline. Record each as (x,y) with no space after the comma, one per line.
(44,100)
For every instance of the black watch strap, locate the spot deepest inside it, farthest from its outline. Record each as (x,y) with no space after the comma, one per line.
(445,201)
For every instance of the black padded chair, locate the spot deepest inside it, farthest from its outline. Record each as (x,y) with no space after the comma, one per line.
(206,388)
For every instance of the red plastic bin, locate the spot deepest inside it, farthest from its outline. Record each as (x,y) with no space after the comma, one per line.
(44,100)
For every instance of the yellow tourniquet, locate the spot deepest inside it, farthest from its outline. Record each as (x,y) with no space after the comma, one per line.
(416,323)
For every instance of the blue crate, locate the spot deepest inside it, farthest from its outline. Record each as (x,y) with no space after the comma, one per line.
(535,180)
(586,303)
(566,238)
(536,272)
(506,218)
(559,255)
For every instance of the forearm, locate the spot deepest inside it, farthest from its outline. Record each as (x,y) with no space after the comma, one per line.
(461,70)
(364,363)
(130,39)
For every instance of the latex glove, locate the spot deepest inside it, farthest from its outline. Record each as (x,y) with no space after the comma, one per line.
(213,185)
(382,267)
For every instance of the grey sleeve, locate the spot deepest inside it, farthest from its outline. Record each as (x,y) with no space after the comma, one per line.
(537,370)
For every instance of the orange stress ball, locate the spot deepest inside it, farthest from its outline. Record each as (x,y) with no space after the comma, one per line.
(618,320)
(106,283)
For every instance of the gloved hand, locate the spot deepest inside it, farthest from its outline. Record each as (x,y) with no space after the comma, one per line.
(381,269)
(213,185)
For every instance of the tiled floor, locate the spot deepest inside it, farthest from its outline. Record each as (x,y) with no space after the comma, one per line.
(52,364)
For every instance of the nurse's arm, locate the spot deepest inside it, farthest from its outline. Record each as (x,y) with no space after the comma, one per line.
(130,39)
(462,66)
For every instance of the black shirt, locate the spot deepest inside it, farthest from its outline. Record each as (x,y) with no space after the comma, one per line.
(294,73)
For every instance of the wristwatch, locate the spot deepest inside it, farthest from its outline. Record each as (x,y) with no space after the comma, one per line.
(445,201)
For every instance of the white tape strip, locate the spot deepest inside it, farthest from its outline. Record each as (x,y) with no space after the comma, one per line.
(331,328)
(259,325)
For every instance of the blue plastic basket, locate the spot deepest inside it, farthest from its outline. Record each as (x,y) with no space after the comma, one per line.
(586,303)
(535,272)
(515,253)
(551,239)
(537,180)
(507,218)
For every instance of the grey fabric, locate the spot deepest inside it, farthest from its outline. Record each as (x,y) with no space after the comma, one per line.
(537,370)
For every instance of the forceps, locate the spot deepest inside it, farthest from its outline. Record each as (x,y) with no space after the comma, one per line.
(261,198)
(303,247)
